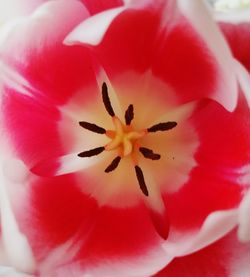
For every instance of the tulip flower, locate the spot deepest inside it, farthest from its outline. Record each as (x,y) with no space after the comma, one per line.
(127,131)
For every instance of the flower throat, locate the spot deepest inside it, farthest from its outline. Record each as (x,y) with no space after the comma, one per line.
(124,139)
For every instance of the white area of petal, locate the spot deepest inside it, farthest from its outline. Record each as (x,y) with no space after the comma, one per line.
(15,243)
(143,266)
(101,76)
(244,80)
(12,9)
(198,14)
(244,175)
(14,80)
(216,225)
(92,30)
(239,265)
(154,201)
(244,219)
(11,272)
(62,254)
(178,114)
(15,171)
(72,163)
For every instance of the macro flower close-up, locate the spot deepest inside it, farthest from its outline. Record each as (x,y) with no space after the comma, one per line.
(125,139)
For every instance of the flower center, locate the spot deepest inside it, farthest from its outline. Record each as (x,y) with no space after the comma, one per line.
(124,139)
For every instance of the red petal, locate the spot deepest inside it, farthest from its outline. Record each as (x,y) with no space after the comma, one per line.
(58,213)
(221,259)
(53,70)
(179,66)
(161,222)
(214,184)
(96,6)
(238,37)
(152,46)
(31,126)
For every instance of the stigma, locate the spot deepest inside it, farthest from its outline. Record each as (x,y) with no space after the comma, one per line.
(125,140)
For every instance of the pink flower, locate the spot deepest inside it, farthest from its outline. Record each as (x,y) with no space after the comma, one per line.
(133,133)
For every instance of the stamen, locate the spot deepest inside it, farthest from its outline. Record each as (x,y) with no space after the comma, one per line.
(141,181)
(113,164)
(129,114)
(149,154)
(92,127)
(164,126)
(106,100)
(92,152)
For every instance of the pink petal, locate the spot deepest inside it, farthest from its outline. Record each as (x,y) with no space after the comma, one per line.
(24,119)
(55,206)
(11,272)
(15,8)
(42,60)
(96,6)
(244,80)
(157,208)
(214,183)
(203,23)
(38,74)
(238,37)
(14,241)
(121,46)
(125,237)
(121,50)
(244,221)
(93,29)
(216,225)
(227,257)
(63,165)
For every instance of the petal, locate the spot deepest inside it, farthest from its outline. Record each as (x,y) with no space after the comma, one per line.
(244,80)
(15,242)
(126,46)
(121,50)
(226,257)
(238,37)
(37,75)
(244,221)
(15,8)
(92,30)
(24,119)
(215,183)
(11,272)
(203,22)
(216,225)
(124,238)
(64,164)
(77,236)
(156,208)
(43,61)
(96,6)
(56,211)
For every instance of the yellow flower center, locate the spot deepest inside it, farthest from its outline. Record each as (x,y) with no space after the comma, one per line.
(124,139)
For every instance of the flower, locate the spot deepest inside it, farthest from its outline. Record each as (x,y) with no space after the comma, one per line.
(129,133)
